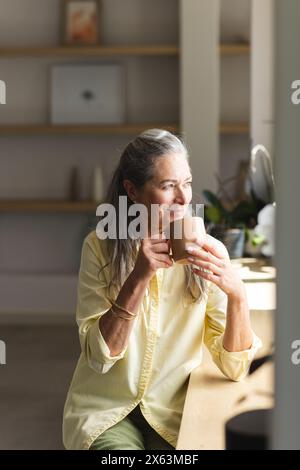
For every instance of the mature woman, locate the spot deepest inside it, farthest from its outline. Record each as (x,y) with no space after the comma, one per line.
(143,319)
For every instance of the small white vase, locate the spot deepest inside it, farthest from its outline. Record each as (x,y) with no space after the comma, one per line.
(97,185)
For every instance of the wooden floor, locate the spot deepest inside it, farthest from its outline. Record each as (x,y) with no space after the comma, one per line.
(40,360)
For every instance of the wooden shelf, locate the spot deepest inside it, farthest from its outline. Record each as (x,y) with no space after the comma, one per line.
(46,206)
(104,51)
(36,129)
(234,49)
(234,128)
(96,51)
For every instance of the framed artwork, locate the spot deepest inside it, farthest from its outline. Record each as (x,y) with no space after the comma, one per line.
(81,22)
(88,94)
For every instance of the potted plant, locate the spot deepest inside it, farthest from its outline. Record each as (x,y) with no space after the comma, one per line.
(233,224)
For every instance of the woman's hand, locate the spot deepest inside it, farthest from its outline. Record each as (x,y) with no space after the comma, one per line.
(153,255)
(213,256)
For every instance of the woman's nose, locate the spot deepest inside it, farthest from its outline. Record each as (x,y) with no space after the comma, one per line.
(181,196)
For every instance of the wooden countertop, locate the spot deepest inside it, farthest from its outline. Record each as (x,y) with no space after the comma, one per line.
(211,398)
(259,276)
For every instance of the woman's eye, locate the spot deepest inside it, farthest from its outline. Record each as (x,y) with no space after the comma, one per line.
(172,185)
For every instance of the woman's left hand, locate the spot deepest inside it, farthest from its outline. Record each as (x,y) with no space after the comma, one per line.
(213,257)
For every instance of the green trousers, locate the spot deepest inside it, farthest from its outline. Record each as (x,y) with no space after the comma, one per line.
(132,433)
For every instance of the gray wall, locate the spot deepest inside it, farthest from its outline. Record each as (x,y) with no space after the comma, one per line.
(214,90)
(235,16)
(199,73)
(287,415)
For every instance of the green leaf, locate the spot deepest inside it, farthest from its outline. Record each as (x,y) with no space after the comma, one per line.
(244,210)
(212,198)
(216,202)
(213,214)
(258,240)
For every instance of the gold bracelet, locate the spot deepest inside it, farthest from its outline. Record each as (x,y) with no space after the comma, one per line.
(122,308)
(120,315)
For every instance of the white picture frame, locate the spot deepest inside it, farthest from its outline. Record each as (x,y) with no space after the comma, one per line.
(87,94)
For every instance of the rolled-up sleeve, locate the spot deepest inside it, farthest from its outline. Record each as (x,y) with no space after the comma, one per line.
(92,303)
(234,365)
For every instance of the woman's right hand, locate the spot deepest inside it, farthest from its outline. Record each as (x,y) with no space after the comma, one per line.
(153,255)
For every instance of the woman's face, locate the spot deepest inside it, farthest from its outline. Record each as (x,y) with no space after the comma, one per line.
(170,187)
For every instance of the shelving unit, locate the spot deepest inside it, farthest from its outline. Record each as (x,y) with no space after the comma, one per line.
(37,157)
(36,129)
(225,128)
(229,49)
(29,145)
(235,77)
(234,49)
(96,51)
(234,128)
(104,51)
(47,206)
(226,49)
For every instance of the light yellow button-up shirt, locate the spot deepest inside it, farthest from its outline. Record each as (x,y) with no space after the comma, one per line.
(165,345)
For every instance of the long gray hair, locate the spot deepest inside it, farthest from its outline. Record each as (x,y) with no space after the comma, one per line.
(137,164)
